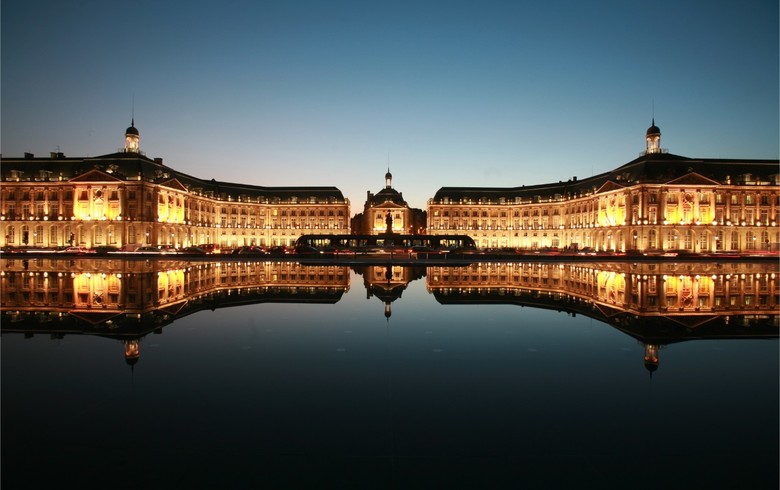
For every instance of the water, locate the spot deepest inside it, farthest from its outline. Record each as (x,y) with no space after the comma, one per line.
(281,375)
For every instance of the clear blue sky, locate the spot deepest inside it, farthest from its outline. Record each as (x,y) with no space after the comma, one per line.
(480,93)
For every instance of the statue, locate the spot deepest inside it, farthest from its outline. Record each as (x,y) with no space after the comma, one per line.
(389,221)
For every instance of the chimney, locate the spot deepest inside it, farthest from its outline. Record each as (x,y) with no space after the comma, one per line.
(28,155)
(158,161)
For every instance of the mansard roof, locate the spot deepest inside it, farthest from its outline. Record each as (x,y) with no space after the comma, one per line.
(658,168)
(385,195)
(134,166)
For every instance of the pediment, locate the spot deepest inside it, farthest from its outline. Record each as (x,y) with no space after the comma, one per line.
(609,186)
(692,179)
(175,184)
(95,317)
(95,175)
(692,321)
(173,309)
(387,205)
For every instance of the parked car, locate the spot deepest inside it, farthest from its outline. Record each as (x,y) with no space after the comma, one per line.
(277,251)
(193,251)
(210,248)
(106,249)
(306,250)
(77,250)
(249,250)
(147,249)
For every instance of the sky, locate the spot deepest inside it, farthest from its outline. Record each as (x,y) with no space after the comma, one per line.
(330,93)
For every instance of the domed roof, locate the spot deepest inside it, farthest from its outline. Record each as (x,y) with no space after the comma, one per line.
(388,175)
(653,129)
(132,129)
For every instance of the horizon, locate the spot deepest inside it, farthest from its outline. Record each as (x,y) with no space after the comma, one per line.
(446,95)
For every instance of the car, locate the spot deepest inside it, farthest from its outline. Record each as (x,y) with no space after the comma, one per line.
(306,250)
(210,248)
(249,250)
(106,249)
(77,250)
(147,249)
(193,251)
(277,251)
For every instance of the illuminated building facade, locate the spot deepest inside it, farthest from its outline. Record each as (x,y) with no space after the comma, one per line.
(128,200)
(658,201)
(388,208)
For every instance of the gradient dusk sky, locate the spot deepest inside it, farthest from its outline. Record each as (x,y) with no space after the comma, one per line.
(452,93)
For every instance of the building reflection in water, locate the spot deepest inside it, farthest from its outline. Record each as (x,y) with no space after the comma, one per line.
(656,303)
(387,282)
(127,300)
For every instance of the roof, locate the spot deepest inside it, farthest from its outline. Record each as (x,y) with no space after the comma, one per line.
(130,166)
(655,168)
(387,194)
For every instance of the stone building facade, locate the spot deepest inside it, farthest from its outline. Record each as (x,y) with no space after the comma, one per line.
(656,202)
(128,200)
(387,211)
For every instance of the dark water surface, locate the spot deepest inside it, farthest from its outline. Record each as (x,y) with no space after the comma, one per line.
(382,378)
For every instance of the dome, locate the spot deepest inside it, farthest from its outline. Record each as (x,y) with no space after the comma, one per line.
(132,130)
(388,175)
(653,129)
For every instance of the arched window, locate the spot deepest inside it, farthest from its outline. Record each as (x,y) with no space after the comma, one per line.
(750,241)
(764,240)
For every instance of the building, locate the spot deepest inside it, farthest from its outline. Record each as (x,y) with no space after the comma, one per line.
(658,201)
(388,212)
(126,199)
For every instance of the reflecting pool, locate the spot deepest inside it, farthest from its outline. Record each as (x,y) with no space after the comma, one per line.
(176,374)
